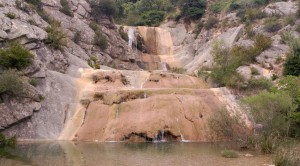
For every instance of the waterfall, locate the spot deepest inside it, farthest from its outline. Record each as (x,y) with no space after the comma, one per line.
(164,66)
(181,135)
(131,31)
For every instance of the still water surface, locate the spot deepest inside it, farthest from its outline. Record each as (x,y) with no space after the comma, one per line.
(126,154)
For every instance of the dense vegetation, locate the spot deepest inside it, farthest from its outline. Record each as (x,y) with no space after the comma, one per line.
(229,59)
(147,12)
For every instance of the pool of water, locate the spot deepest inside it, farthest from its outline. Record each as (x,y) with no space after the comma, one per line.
(126,154)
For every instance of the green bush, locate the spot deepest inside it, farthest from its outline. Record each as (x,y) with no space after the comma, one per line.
(94,26)
(292,63)
(250,14)
(290,19)
(273,111)
(262,43)
(151,18)
(56,36)
(7,141)
(254,71)
(77,37)
(93,62)
(11,83)
(297,28)
(272,24)
(103,7)
(286,156)
(33,82)
(66,8)
(15,56)
(193,9)
(260,83)
(10,15)
(228,60)
(211,22)
(99,39)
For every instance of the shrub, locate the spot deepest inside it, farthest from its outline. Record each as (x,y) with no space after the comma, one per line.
(10,15)
(290,19)
(36,3)
(11,83)
(33,82)
(56,36)
(251,14)
(292,63)
(260,83)
(151,18)
(193,9)
(262,43)
(286,156)
(211,22)
(15,56)
(94,26)
(272,110)
(254,71)
(230,154)
(297,28)
(93,62)
(227,126)
(272,24)
(77,37)
(7,141)
(99,39)
(106,7)
(66,8)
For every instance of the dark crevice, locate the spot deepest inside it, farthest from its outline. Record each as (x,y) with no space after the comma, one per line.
(161,136)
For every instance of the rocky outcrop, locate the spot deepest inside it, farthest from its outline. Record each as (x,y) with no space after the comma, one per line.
(281,8)
(159,106)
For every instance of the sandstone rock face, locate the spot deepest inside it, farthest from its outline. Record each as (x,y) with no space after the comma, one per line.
(118,106)
(55,70)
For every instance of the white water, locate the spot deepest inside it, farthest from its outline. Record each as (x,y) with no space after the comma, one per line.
(164,66)
(131,32)
(181,135)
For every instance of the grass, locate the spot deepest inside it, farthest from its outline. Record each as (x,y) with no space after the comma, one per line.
(230,154)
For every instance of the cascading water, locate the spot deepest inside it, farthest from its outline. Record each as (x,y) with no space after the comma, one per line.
(164,66)
(131,31)
(181,136)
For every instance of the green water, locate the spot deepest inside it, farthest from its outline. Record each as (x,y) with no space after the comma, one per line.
(126,154)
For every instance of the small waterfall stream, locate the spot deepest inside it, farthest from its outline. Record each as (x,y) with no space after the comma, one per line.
(181,135)
(131,37)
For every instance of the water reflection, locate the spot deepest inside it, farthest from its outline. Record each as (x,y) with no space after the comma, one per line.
(125,154)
